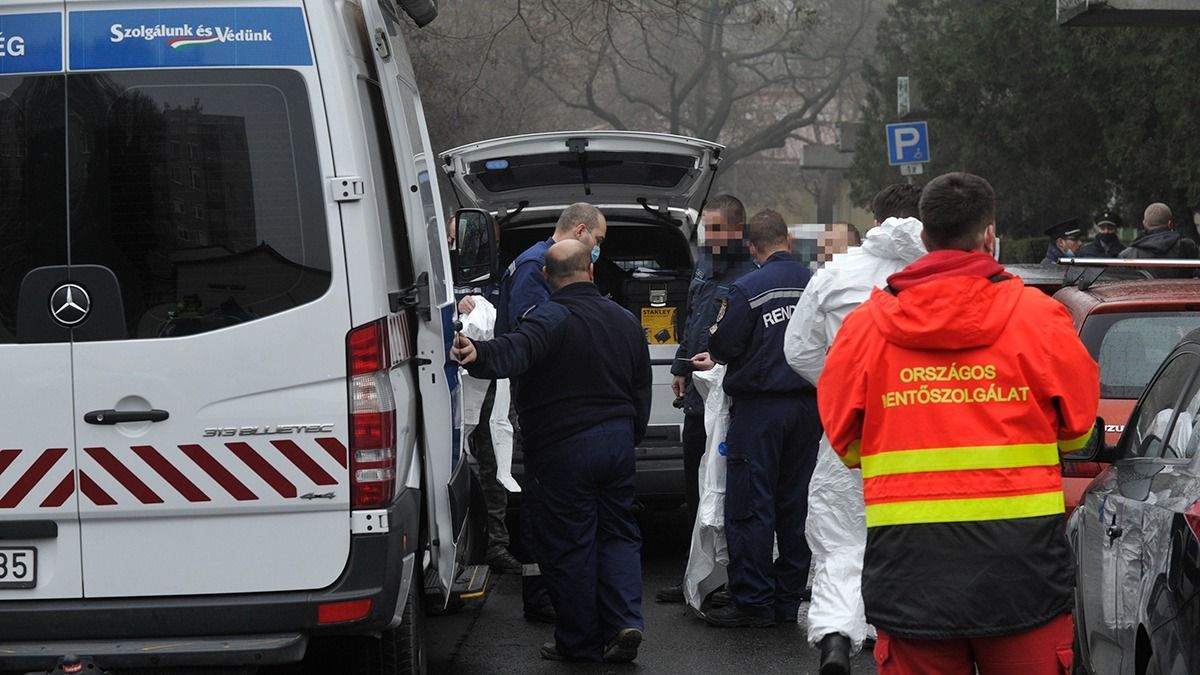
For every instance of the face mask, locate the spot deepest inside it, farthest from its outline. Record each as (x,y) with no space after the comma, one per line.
(595,253)
(700,234)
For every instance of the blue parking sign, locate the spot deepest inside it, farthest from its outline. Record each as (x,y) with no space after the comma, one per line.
(908,143)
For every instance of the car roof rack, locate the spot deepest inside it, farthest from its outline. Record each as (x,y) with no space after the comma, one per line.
(1089,270)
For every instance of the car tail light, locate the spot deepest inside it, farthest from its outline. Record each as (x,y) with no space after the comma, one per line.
(1192,516)
(343,612)
(372,417)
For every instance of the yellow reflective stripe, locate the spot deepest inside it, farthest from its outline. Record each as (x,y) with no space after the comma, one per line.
(959,459)
(1075,443)
(853,455)
(965,510)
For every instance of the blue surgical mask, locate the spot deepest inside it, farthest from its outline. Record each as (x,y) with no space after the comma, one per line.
(595,252)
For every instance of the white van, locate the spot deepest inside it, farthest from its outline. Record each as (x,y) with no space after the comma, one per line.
(229,424)
(650,187)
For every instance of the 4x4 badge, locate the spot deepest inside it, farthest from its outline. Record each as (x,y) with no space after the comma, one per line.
(70,304)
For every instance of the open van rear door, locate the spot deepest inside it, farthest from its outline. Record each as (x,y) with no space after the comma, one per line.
(446,473)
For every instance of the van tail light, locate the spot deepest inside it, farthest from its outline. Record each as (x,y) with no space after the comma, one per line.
(372,417)
(1192,516)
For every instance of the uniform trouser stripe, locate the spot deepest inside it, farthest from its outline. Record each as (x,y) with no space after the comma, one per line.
(965,510)
(959,459)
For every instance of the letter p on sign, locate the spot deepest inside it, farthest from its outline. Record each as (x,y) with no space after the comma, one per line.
(908,143)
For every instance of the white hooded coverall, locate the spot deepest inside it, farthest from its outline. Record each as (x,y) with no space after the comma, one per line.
(836,527)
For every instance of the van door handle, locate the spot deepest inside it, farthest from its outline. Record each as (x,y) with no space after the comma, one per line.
(122,416)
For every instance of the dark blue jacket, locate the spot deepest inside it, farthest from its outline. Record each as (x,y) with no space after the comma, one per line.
(522,286)
(1053,255)
(579,359)
(709,286)
(748,338)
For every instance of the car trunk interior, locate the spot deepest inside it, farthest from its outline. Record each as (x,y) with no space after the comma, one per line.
(645,265)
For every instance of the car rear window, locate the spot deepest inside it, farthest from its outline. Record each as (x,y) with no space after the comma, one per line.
(1131,346)
(626,168)
(201,191)
(33,183)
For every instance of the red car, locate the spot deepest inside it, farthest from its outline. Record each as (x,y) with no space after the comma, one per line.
(1129,327)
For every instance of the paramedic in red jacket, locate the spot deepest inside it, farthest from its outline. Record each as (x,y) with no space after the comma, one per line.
(955,389)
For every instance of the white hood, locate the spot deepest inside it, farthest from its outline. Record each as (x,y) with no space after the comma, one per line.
(842,285)
(895,239)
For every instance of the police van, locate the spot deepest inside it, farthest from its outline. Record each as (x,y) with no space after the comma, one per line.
(229,424)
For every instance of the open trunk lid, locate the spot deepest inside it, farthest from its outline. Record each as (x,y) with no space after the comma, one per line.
(606,168)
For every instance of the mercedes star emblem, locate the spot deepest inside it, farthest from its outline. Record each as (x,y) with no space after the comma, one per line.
(70,304)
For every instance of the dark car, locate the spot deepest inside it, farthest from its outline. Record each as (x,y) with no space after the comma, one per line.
(1136,533)
(1128,327)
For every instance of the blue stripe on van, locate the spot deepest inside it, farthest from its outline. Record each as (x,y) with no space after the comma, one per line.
(31,43)
(181,38)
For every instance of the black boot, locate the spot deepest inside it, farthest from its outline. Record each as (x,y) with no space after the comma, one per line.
(835,654)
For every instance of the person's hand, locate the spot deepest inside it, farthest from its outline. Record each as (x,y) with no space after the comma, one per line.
(703,361)
(464,350)
(679,384)
(466,305)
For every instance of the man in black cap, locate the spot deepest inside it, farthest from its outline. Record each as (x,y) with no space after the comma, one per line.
(1065,240)
(1106,243)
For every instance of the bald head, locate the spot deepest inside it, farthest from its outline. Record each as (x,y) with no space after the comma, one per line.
(568,262)
(1157,216)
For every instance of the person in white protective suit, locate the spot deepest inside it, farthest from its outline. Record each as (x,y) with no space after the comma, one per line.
(493,447)
(836,528)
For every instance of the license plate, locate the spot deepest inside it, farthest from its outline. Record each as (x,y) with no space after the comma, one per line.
(18,567)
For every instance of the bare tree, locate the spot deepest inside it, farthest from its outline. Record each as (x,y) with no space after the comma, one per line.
(751,74)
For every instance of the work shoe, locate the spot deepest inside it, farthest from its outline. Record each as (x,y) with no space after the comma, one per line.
(550,652)
(835,654)
(670,594)
(540,614)
(623,648)
(503,562)
(720,598)
(732,616)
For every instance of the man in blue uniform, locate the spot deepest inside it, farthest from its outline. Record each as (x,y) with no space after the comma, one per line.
(523,286)
(723,259)
(583,398)
(773,434)
(1065,239)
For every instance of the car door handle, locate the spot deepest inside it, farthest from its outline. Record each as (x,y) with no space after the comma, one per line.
(1113,531)
(122,416)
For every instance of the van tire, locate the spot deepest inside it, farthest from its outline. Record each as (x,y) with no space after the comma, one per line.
(401,650)
(397,651)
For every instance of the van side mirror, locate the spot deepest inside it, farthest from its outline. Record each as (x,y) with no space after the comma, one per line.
(477,256)
(1096,450)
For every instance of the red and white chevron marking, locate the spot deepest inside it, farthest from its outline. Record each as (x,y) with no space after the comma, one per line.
(234,471)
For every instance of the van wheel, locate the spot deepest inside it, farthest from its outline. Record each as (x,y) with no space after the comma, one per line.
(398,651)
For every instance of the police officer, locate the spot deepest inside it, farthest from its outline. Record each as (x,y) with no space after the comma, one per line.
(523,286)
(1106,243)
(723,259)
(771,445)
(583,398)
(1065,239)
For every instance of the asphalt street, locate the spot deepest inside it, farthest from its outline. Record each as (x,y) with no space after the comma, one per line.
(491,636)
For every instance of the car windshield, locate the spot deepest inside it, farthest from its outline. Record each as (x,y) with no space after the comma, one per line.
(1130,347)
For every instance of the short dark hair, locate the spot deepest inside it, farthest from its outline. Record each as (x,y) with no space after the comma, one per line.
(579,212)
(899,200)
(955,208)
(731,207)
(766,229)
